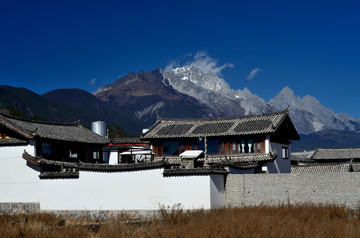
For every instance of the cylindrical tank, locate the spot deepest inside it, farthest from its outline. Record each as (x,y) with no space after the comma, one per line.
(99,127)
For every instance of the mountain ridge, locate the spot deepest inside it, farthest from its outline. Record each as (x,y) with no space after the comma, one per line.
(214,93)
(136,101)
(308,114)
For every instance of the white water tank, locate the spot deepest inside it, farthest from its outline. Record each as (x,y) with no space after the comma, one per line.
(99,127)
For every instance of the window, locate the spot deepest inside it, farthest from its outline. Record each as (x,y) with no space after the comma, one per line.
(213,146)
(194,145)
(73,154)
(96,155)
(45,149)
(285,152)
(171,148)
(201,144)
(258,145)
(222,147)
(182,146)
(234,147)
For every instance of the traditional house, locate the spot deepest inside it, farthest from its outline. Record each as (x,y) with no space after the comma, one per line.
(334,160)
(51,166)
(51,141)
(66,166)
(247,144)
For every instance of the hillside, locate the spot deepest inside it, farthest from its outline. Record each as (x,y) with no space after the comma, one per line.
(65,105)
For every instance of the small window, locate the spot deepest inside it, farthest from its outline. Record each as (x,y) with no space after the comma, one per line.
(285,152)
(213,147)
(222,147)
(96,155)
(73,154)
(234,147)
(45,149)
(170,148)
(182,146)
(201,144)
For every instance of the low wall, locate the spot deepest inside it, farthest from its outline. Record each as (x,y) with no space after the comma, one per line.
(108,192)
(138,190)
(273,189)
(19,208)
(18,182)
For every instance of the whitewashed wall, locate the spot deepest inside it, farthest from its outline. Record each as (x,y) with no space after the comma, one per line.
(18,182)
(140,190)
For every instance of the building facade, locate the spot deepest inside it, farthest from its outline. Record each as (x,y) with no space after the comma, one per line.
(247,144)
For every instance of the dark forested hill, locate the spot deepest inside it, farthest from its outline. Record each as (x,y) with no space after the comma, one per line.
(65,105)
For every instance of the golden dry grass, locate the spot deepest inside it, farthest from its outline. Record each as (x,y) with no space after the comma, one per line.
(261,221)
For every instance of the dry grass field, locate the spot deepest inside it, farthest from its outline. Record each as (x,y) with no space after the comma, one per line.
(261,221)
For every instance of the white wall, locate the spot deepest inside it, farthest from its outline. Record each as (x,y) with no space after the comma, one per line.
(279,165)
(137,190)
(18,182)
(140,190)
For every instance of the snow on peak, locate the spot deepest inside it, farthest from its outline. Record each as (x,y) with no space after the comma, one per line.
(208,80)
(102,89)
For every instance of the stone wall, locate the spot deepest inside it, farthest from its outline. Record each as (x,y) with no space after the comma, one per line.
(19,208)
(26,208)
(274,189)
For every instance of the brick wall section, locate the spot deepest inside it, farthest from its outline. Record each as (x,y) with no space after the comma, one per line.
(273,189)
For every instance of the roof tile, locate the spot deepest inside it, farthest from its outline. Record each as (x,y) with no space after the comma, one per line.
(200,127)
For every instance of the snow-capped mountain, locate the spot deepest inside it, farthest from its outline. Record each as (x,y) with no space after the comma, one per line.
(310,116)
(189,92)
(214,92)
(146,95)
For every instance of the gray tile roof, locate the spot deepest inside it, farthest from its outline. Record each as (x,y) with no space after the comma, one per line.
(321,168)
(302,156)
(195,171)
(328,154)
(59,175)
(213,127)
(355,167)
(240,158)
(129,140)
(12,142)
(41,161)
(56,131)
(218,159)
(169,160)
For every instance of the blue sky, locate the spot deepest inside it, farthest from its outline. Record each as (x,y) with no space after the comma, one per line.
(311,46)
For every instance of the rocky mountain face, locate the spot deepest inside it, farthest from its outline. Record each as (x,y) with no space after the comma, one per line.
(189,92)
(214,92)
(310,116)
(147,95)
(307,113)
